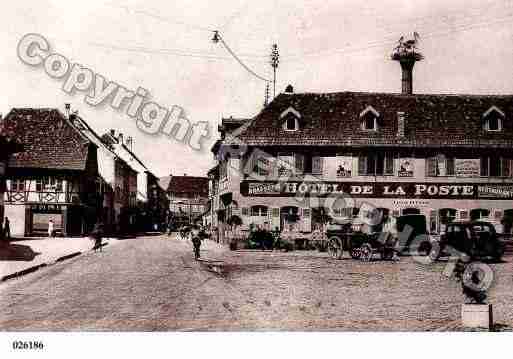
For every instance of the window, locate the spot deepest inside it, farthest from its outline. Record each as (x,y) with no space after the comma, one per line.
(493,119)
(259,211)
(494,124)
(440,166)
(317,164)
(376,164)
(369,118)
(495,167)
(290,118)
(48,184)
(291,123)
(17,185)
(369,123)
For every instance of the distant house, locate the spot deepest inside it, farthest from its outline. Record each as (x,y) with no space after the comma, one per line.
(55,177)
(150,196)
(188,198)
(118,182)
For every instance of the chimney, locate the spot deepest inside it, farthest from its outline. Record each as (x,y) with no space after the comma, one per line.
(289,90)
(113,133)
(407,77)
(407,54)
(120,138)
(67,109)
(400,124)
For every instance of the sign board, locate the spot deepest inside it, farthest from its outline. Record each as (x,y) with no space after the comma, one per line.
(407,190)
(467,167)
(405,167)
(344,166)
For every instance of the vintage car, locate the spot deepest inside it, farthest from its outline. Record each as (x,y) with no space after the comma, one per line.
(477,239)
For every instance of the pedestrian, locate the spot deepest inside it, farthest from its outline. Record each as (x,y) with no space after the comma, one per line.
(97,236)
(196,241)
(7,229)
(50,228)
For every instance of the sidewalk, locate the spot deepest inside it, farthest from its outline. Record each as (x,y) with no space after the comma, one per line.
(24,255)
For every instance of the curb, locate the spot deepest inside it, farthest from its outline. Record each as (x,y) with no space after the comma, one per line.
(43,265)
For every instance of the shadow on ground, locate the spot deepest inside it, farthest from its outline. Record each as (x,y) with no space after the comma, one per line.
(17,252)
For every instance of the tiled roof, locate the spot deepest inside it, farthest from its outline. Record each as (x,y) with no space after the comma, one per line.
(334,119)
(49,140)
(188,185)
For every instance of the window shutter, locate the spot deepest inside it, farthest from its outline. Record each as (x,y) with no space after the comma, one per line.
(431,167)
(245,211)
(450,166)
(300,163)
(506,167)
(317,165)
(484,166)
(389,165)
(362,166)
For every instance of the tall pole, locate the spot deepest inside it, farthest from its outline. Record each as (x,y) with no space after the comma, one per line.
(275,60)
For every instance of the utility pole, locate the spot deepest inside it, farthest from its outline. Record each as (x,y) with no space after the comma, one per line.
(275,60)
(266,100)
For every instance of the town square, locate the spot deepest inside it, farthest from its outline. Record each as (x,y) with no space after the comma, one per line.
(292,167)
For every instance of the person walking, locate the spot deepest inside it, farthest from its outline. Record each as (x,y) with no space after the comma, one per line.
(51,230)
(7,229)
(196,241)
(97,236)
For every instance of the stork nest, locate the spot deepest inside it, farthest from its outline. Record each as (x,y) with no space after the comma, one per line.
(406,54)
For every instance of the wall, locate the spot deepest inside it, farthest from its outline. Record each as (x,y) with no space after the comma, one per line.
(16,215)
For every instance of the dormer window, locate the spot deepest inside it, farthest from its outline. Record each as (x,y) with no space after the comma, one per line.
(369,119)
(291,123)
(492,119)
(290,119)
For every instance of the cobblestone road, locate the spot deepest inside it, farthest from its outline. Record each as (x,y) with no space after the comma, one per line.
(154,283)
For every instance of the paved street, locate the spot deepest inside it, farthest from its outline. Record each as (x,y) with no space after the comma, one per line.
(153,283)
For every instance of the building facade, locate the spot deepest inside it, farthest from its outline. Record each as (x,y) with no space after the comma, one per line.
(188,198)
(53,178)
(8,145)
(150,196)
(356,155)
(117,183)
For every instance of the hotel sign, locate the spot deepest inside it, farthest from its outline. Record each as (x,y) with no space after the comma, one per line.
(377,190)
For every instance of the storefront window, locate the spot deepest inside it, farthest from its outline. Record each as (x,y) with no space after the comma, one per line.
(259,211)
(479,214)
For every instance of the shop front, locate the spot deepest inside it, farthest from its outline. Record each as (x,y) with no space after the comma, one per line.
(293,206)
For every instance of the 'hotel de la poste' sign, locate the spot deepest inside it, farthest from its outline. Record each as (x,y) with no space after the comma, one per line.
(377,190)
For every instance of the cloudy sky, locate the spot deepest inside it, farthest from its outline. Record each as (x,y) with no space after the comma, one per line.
(325,46)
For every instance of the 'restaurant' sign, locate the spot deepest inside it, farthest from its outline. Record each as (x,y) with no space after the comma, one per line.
(377,190)
(467,167)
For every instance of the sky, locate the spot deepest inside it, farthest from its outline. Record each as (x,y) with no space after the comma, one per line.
(325,46)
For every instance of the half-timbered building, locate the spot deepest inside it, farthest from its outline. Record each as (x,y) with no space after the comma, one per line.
(55,176)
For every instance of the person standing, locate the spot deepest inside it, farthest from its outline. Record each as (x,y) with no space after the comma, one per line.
(50,228)
(7,229)
(196,241)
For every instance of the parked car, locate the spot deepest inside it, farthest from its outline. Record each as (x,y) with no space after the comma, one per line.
(476,239)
